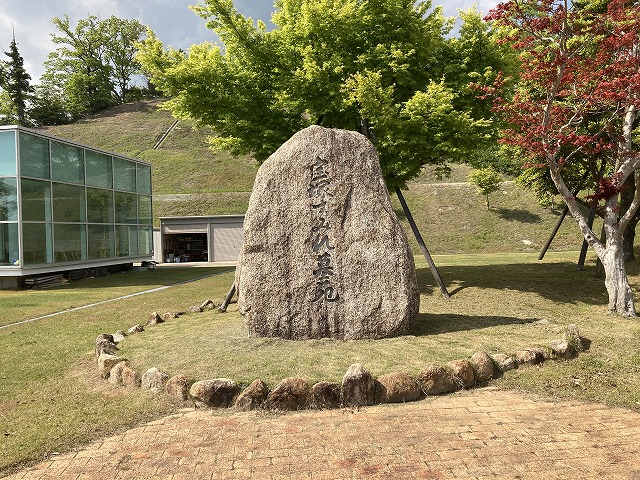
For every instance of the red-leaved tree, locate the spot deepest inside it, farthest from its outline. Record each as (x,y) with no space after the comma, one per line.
(577,105)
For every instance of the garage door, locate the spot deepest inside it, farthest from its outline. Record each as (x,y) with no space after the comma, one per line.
(184,228)
(227,242)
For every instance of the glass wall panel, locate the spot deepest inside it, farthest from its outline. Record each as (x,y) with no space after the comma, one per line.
(124,174)
(144,210)
(101,241)
(126,240)
(126,208)
(36,200)
(34,156)
(68,203)
(99,169)
(144,178)
(145,240)
(70,242)
(37,244)
(9,244)
(99,205)
(8,199)
(67,163)
(7,153)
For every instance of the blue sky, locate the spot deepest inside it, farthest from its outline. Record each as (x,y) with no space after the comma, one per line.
(172,20)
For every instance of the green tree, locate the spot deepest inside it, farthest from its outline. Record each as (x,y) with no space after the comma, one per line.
(120,54)
(478,58)
(78,66)
(376,66)
(16,83)
(48,106)
(487,181)
(94,63)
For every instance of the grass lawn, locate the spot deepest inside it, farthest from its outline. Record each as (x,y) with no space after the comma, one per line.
(27,304)
(50,396)
(52,400)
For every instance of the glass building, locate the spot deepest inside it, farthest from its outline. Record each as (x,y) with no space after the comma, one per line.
(66,206)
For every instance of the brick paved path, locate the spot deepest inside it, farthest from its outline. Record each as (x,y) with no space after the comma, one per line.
(480,434)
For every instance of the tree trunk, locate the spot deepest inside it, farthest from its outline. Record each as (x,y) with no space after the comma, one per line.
(609,249)
(618,288)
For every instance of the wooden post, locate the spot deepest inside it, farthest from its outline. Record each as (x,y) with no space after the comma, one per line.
(585,245)
(227,300)
(553,234)
(423,247)
(564,214)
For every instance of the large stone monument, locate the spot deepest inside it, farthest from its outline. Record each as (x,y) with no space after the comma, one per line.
(324,255)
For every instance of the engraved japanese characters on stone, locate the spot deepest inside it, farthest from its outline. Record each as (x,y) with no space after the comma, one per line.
(319,194)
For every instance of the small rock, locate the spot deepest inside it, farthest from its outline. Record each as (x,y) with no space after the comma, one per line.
(135,329)
(154,319)
(130,377)
(290,394)
(115,376)
(463,372)
(482,366)
(119,336)
(153,380)
(106,362)
(105,346)
(544,352)
(104,336)
(397,388)
(177,386)
(358,387)
(219,392)
(504,362)
(207,305)
(572,337)
(436,380)
(325,395)
(194,309)
(170,315)
(528,356)
(562,349)
(253,397)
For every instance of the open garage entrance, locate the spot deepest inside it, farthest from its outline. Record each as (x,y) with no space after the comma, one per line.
(200,239)
(186,247)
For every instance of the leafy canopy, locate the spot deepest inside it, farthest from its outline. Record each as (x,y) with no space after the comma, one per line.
(486,180)
(93,65)
(376,66)
(576,107)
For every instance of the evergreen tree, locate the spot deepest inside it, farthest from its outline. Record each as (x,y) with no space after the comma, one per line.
(15,82)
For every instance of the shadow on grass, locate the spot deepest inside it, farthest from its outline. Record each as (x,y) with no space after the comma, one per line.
(559,282)
(431,324)
(518,215)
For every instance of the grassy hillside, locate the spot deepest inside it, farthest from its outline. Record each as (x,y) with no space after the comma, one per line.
(189,179)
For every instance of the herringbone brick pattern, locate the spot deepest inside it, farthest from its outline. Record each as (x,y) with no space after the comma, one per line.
(478,434)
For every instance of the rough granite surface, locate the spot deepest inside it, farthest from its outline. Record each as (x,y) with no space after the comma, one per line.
(324,255)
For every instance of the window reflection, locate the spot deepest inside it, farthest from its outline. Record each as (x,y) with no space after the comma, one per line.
(34,156)
(67,163)
(9,244)
(8,199)
(68,203)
